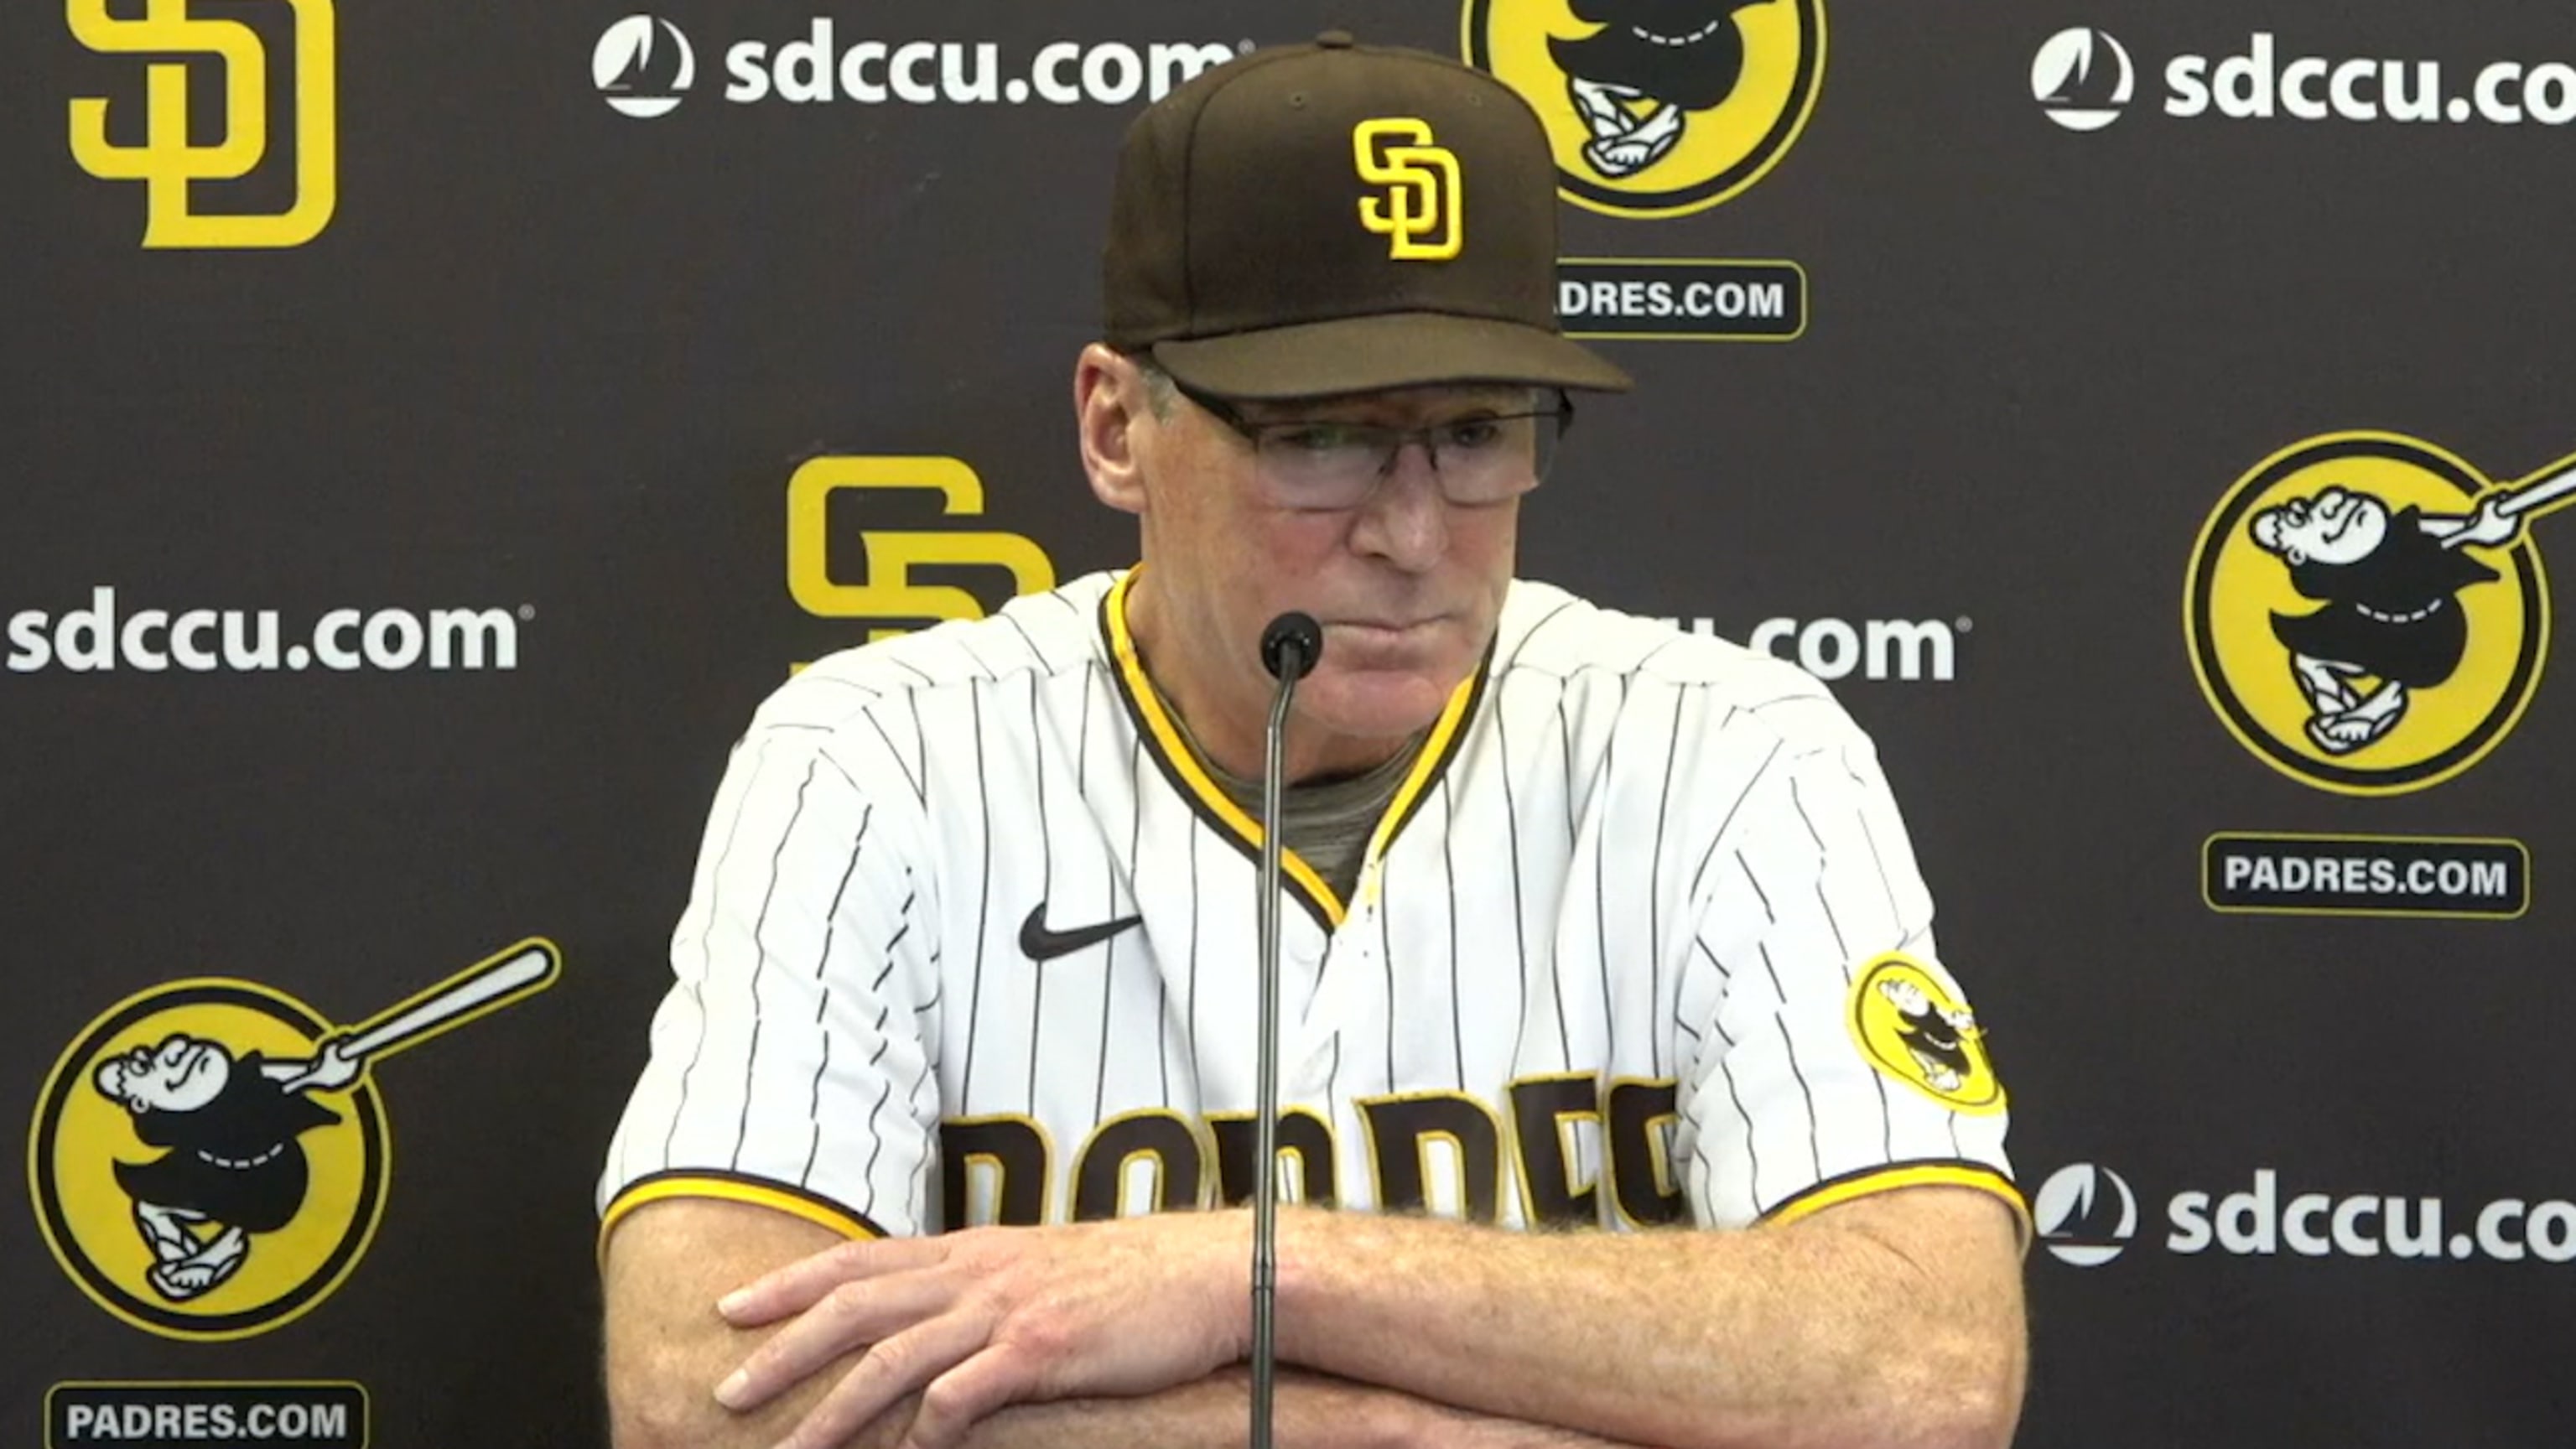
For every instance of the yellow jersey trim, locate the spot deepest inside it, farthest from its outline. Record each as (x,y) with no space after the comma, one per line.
(663,1186)
(1871,1181)
(1217,808)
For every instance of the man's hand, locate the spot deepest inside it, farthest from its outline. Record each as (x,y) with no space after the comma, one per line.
(980,1319)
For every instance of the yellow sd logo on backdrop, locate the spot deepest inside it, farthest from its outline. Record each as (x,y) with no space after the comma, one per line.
(2365,612)
(890,595)
(170,162)
(1657,107)
(210,1159)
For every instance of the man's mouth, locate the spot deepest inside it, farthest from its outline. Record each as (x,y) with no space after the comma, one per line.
(1384,631)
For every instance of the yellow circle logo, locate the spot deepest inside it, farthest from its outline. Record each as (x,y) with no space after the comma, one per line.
(200,1167)
(1913,1026)
(209,1159)
(1657,107)
(2365,613)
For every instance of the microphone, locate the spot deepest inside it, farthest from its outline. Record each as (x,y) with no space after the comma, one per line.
(1290,647)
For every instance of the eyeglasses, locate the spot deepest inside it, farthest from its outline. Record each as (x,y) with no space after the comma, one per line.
(1327,464)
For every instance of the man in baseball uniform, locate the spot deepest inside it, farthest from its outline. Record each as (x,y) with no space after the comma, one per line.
(1590,924)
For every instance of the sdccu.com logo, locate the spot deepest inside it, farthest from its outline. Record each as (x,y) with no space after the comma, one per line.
(209,1158)
(2084,79)
(2087,1216)
(644,66)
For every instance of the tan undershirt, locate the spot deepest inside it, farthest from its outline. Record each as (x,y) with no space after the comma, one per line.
(1327,823)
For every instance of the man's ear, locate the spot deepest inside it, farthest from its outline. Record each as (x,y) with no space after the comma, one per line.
(1112,407)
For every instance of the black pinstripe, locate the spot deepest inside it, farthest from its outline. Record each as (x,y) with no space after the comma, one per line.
(1386,957)
(984,897)
(1556,959)
(1717,837)
(1046,870)
(1512,830)
(1449,865)
(1752,1157)
(1601,884)
(706,944)
(1815,1126)
(1192,1036)
(1108,889)
(1877,858)
(1162,979)
(1842,948)
(1530,635)
(929,1074)
(1654,884)
(918,782)
(823,988)
(885,1009)
(1036,655)
(760,967)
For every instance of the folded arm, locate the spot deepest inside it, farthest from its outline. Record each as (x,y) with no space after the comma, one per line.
(1892,1320)
(667,1349)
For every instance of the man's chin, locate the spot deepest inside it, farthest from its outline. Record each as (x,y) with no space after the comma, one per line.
(1375,704)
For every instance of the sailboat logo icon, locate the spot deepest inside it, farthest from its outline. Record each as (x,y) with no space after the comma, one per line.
(2083,78)
(2085,1214)
(642,65)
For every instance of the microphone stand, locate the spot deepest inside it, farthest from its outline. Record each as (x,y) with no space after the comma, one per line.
(1290,646)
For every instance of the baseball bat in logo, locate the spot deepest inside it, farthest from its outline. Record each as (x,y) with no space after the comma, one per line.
(1657,107)
(209,1159)
(2365,613)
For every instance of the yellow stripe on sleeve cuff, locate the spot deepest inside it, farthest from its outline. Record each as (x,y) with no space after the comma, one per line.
(1895,1175)
(759,1192)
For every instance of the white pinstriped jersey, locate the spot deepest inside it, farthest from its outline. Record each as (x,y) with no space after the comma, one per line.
(1641,940)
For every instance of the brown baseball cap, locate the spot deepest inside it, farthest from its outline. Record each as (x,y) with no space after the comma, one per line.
(1336,218)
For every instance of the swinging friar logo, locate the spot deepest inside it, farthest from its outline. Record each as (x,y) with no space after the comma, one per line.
(210,1158)
(1657,107)
(1913,1026)
(2366,612)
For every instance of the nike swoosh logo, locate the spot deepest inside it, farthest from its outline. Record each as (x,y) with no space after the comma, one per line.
(1041,944)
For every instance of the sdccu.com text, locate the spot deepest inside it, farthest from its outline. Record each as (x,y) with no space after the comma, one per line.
(2316,1225)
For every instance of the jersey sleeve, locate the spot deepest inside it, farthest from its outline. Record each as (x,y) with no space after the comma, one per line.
(789,1061)
(1834,1056)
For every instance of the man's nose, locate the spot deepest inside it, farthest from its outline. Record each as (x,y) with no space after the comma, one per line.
(1406,519)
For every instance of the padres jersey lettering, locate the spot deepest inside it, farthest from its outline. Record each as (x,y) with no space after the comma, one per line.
(1603,963)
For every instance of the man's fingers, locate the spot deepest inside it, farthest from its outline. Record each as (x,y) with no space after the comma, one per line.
(852,1315)
(889,1371)
(957,1399)
(802,1284)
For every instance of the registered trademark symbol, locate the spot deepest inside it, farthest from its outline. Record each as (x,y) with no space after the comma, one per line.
(1965,624)
(529,611)
(1243,47)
